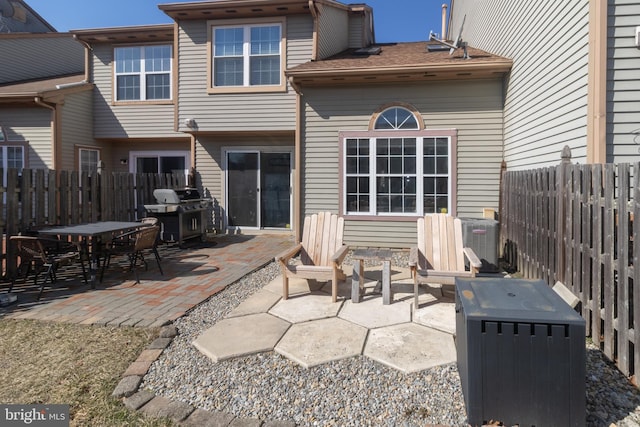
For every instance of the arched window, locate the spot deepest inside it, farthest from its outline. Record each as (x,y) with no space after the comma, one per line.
(397,167)
(396,118)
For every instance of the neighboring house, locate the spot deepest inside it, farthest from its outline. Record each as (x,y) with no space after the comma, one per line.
(288,107)
(134,70)
(574,79)
(45,102)
(17,17)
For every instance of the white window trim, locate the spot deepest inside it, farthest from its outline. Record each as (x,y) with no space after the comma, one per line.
(4,145)
(450,134)
(246,53)
(142,74)
(247,24)
(81,149)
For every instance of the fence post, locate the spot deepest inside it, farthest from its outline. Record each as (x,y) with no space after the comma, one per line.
(561,211)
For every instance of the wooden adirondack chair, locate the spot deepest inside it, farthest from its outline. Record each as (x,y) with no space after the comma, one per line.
(321,253)
(440,256)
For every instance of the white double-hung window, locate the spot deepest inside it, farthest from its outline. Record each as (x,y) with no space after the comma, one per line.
(247,55)
(143,73)
(397,169)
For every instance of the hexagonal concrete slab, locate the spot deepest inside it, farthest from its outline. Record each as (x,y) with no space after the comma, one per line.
(437,313)
(241,336)
(321,341)
(409,347)
(371,313)
(303,308)
(260,302)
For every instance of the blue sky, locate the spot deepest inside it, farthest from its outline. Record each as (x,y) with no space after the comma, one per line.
(395,20)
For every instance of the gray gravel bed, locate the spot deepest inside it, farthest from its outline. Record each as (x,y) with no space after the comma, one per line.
(352,392)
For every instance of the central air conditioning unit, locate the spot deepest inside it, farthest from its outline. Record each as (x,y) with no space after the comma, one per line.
(482,235)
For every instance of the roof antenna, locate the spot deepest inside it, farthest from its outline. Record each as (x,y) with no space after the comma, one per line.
(458,43)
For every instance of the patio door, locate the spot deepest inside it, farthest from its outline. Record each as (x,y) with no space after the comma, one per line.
(259,189)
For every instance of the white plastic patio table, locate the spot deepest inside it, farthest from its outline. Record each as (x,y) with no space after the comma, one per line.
(95,231)
(357,278)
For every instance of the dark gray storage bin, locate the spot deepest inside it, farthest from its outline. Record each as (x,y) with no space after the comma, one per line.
(482,235)
(521,353)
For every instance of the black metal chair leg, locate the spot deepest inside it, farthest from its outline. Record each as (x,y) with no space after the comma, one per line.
(84,272)
(155,252)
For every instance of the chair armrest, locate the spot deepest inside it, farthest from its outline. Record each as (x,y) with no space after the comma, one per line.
(127,234)
(285,256)
(413,257)
(474,261)
(338,257)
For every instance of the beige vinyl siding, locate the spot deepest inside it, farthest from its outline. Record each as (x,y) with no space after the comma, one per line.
(623,83)
(39,56)
(356,31)
(360,30)
(333,31)
(76,127)
(117,150)
(31,125)
(256,111)
(132,120)
(473,108)
(546,97)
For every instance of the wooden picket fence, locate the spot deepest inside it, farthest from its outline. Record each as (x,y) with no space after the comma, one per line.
(575,224)
(33,198)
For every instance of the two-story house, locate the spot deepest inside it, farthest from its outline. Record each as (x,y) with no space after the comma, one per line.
(574,79)
(45,101)
(289,107)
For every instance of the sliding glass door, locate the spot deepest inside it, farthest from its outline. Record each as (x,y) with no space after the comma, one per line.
(258,189)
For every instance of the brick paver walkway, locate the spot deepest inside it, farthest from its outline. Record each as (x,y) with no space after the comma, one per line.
(191,276)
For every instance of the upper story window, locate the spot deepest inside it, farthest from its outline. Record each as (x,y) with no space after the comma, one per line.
(143,73)
(247,57)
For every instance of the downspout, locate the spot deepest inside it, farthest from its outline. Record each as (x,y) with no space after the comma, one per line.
(297,152)
(193,151)
(87,57)
(315,15)
(55,129)
(597,83)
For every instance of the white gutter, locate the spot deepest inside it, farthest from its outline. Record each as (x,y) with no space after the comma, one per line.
(72,84)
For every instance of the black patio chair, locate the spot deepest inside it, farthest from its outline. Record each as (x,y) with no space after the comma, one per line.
(33,253)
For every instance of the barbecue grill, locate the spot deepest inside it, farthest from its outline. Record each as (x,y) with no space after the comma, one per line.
(181,214)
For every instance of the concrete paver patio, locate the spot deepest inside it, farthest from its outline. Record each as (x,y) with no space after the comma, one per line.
(321,331)
(307,328)
(191,276)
